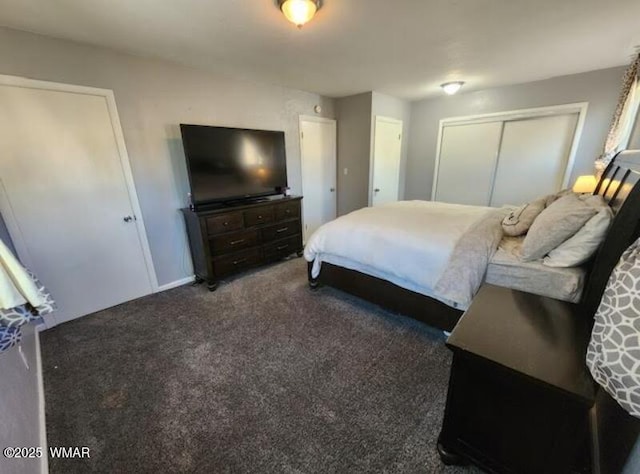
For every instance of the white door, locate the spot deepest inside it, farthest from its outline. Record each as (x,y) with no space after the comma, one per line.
(65,195)
(466,164)
(318,154)
(533,158)
(387,151)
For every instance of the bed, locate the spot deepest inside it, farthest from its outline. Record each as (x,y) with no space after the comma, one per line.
(429,252)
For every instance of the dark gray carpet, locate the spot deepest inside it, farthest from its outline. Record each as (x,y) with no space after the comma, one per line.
(261,376)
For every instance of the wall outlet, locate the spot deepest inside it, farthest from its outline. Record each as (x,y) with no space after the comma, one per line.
(346,171)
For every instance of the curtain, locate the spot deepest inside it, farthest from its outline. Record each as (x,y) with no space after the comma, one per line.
(624,116)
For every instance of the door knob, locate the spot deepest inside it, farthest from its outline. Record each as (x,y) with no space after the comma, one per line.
(377,190)
(128,219)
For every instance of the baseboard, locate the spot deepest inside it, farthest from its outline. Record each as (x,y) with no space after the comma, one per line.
(175,284)
(44,466)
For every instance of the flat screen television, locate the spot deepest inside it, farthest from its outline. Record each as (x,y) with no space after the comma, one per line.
(229,164)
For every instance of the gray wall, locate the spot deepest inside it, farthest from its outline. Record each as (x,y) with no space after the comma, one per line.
(356,120)
(634,142)
(389,106)
(599,88)
(4,235)
(153,97)
(354,139)
(19,405)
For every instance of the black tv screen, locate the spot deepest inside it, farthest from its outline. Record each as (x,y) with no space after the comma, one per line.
(227,164)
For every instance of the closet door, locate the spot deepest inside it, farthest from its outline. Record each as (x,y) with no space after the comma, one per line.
(533,158)
(65,198)
(467,162)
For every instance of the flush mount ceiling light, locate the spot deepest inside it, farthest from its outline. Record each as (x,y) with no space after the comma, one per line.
(451,88)
(299,12)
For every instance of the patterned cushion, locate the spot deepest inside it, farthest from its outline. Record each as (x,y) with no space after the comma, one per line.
(9,337)
(613,356)
(12,319)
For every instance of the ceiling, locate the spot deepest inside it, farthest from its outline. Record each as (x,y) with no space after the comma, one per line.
(405,48)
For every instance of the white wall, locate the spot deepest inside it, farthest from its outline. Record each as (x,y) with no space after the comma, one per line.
(153,98)
(599,88)
(388,106)
(20,422)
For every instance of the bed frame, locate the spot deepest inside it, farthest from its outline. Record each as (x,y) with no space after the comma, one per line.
(618,185)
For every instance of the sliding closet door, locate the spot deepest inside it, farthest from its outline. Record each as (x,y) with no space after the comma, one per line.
(467,162)
(533,158)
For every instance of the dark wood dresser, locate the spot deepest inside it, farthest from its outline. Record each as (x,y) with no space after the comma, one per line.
(230,239)
(520,392)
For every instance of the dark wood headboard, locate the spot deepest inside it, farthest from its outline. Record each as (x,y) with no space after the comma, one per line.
(615,431)
(619,187)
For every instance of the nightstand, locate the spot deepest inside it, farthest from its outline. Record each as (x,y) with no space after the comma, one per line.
(519,392)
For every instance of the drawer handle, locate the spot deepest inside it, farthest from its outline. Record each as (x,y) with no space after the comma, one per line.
(288,211)
(225,223)
(234,242)
(237,262)
(282,230)
(259,217)
(282,247)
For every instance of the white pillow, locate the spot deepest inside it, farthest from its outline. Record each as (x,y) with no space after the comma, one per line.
(578,249)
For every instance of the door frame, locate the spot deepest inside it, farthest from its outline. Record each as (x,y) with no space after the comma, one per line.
(313,118)
(108,95)
(512,115)
(372,145)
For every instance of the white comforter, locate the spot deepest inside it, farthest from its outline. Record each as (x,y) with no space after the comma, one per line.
(408,243)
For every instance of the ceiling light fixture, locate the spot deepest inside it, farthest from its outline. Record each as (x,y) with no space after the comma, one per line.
(451,88)
(299,12)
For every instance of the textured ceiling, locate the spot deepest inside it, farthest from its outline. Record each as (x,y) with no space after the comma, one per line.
(404,48)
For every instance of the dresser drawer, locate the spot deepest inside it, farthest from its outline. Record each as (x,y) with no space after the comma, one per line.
(226,243)
(282,248)
(288,210)
(279,231)
(259,215)
(224,222)
(236,262)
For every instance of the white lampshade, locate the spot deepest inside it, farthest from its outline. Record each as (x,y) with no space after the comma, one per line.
(451,88)
(299,12)
(585,184)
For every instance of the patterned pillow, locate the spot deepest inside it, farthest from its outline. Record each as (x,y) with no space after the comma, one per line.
(613,356)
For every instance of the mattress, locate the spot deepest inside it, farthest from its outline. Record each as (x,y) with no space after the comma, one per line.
(408,243)
(506,270)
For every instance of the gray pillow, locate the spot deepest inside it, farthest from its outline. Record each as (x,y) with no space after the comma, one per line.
(548,200)
(562,219)
(582,245)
